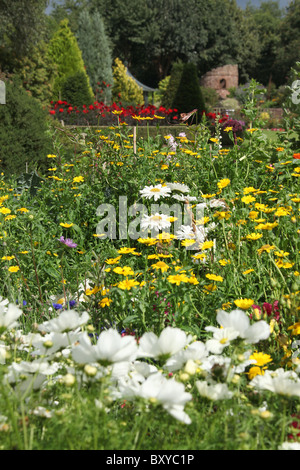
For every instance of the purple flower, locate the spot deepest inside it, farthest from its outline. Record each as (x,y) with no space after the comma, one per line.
(237,126)
(68,242)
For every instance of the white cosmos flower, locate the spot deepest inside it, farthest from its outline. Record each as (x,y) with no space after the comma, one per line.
(239,321)
(3,353)
(110,348)
(221,339)
(155,192)
(195,351)
(279,381)
(68,320)
(218,391)
(9,315)
(52,342)
(155,221)
(289,446)
(156,388)
(3,302)
(30,375)
(170,341)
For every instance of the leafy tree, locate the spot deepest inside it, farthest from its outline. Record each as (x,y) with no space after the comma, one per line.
(65,53)
(125,89)
(70,10)
(247,48)
(267,22)
(288,53)
(96,52)
(124,23)
(21,28)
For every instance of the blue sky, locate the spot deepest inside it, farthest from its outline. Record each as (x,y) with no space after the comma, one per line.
(243,3)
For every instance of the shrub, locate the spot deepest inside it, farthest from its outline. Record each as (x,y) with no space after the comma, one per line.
(66,55)
(173,84)
(76,90)
(96,53)
(210,96)
(23,137)
(125,89)
(188,95)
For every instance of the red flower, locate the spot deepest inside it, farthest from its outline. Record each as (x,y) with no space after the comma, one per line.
(52,111)
(296,156)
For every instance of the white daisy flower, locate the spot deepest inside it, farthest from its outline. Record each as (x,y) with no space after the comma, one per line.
(155,221)
(155,192)
(182,188)
(182,198)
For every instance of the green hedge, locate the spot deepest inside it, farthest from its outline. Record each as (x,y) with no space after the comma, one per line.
(24,143)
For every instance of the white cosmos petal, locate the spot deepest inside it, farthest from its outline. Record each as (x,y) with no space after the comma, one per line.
(9,315)
(170,341)
(68,320)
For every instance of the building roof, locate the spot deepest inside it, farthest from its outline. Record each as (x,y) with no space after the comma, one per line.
(141,85)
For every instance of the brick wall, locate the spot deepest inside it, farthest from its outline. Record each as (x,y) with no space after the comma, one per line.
(221,78)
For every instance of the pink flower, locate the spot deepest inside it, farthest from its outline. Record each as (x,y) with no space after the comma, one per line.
(68,242)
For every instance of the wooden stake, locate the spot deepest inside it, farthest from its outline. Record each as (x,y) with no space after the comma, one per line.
(134,139)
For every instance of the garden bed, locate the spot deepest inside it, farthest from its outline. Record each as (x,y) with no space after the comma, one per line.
(150,294)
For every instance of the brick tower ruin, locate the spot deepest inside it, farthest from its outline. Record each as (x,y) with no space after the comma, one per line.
(221,79)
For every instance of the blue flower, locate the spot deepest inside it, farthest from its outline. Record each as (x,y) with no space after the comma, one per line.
(57,306)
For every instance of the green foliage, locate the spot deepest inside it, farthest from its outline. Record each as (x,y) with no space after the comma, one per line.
(22,27)
(125,89)
(267,19)
(76,90)
(173,84)
(288,53)
(65,53)
(210,96)
(23,138)
(96,53)
(161,90)
(183,92)
(188,95)
(37,72)
(70,9)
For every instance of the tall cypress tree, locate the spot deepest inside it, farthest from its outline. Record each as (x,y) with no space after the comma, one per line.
(189,95)
(66,54)
(96,53)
